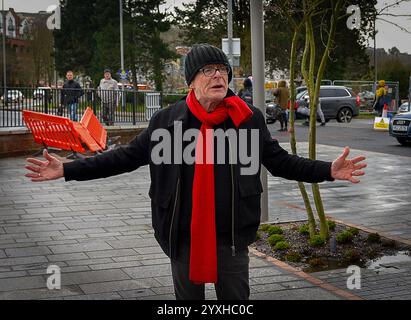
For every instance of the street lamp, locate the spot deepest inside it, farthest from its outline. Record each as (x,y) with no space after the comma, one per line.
(4,50)
(375,53)
(122,54)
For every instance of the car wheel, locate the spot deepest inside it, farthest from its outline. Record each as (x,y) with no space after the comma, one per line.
(402,140)
(344,115)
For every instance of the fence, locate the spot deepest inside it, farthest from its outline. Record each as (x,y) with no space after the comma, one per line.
(366,92)
(110,107)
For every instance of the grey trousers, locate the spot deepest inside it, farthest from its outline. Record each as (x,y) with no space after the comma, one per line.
(232,279)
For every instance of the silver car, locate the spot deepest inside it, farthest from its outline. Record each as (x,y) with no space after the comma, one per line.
(337,102)
(405,107)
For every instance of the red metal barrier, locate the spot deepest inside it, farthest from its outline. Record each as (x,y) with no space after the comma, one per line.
(62,133)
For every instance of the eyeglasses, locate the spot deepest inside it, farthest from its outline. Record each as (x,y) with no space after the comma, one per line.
(210,72)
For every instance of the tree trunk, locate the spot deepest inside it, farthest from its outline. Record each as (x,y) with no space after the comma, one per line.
(293,142)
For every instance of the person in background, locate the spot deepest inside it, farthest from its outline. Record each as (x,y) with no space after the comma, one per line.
(283,95)
(70,94)
(306,112)
(246,93)
(380,95)
(108,93)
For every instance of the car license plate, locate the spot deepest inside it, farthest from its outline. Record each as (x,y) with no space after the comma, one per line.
(400,128)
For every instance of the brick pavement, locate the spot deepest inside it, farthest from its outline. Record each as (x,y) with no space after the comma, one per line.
(99,233)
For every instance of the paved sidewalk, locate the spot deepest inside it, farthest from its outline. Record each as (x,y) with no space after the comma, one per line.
(99,233)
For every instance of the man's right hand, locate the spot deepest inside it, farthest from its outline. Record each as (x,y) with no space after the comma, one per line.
(50,169)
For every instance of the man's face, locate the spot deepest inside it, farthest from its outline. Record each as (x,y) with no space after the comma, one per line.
(210,88)
(107,75)
(69,75)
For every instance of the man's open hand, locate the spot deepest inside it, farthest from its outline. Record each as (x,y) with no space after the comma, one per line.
(345,169)
(50,169)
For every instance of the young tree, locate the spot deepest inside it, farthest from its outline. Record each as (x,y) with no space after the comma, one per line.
(310,18)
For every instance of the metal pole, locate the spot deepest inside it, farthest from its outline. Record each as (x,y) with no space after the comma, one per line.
(375,55)
(230,36)
(122,54)
(4,51)
(258,62)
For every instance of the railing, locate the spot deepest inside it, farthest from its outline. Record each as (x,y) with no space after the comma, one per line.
(111,107)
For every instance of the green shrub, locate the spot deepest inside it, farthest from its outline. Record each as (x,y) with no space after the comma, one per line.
(282,245)
(354,231)
(351,255)
(293,256)
(373,238)
(274,230)
(264,227)
(273,239)
(317,241)
(331,224)
(304,229)
(344,237)
(258,236)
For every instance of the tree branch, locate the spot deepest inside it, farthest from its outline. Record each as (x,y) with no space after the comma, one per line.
(390,5)
(396,25)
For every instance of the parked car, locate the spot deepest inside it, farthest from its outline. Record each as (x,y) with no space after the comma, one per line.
(337,102)
(400,127)
(14,96)
(405,107)
(367,99)
(40,92)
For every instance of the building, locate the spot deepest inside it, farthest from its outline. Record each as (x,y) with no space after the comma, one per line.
(19,29)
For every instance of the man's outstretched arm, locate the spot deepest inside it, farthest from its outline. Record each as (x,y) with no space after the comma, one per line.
(117,161)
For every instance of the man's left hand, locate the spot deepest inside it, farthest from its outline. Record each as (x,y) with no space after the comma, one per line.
(345,169)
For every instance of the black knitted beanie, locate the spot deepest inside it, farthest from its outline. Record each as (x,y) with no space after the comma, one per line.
(201,55)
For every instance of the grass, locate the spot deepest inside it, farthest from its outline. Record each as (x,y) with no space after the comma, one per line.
(365,115)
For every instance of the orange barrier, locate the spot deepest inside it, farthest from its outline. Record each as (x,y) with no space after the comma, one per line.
(94,127)
(53,131)
(62,133)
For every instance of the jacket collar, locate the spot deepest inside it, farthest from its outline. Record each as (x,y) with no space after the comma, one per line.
(179,112)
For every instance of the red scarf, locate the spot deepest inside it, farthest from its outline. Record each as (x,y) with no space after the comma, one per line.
(203,251)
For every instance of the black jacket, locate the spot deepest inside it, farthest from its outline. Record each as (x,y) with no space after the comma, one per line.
(165,187)
(71,92)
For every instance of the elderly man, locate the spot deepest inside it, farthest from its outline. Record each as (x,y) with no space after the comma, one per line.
(108,93)
(204,213)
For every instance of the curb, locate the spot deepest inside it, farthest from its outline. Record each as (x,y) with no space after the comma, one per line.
(337,291)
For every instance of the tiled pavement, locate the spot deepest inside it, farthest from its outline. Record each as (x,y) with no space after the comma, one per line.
(99,233)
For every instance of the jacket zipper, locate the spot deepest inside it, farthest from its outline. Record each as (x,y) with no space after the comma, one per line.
(173,214)
(232,196)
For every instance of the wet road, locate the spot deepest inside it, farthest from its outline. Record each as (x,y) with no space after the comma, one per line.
(359,134)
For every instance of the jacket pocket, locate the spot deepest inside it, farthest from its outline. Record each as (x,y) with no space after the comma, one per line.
(249,207)
(249,186)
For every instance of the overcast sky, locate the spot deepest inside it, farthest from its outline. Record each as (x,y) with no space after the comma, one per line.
(388,35)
